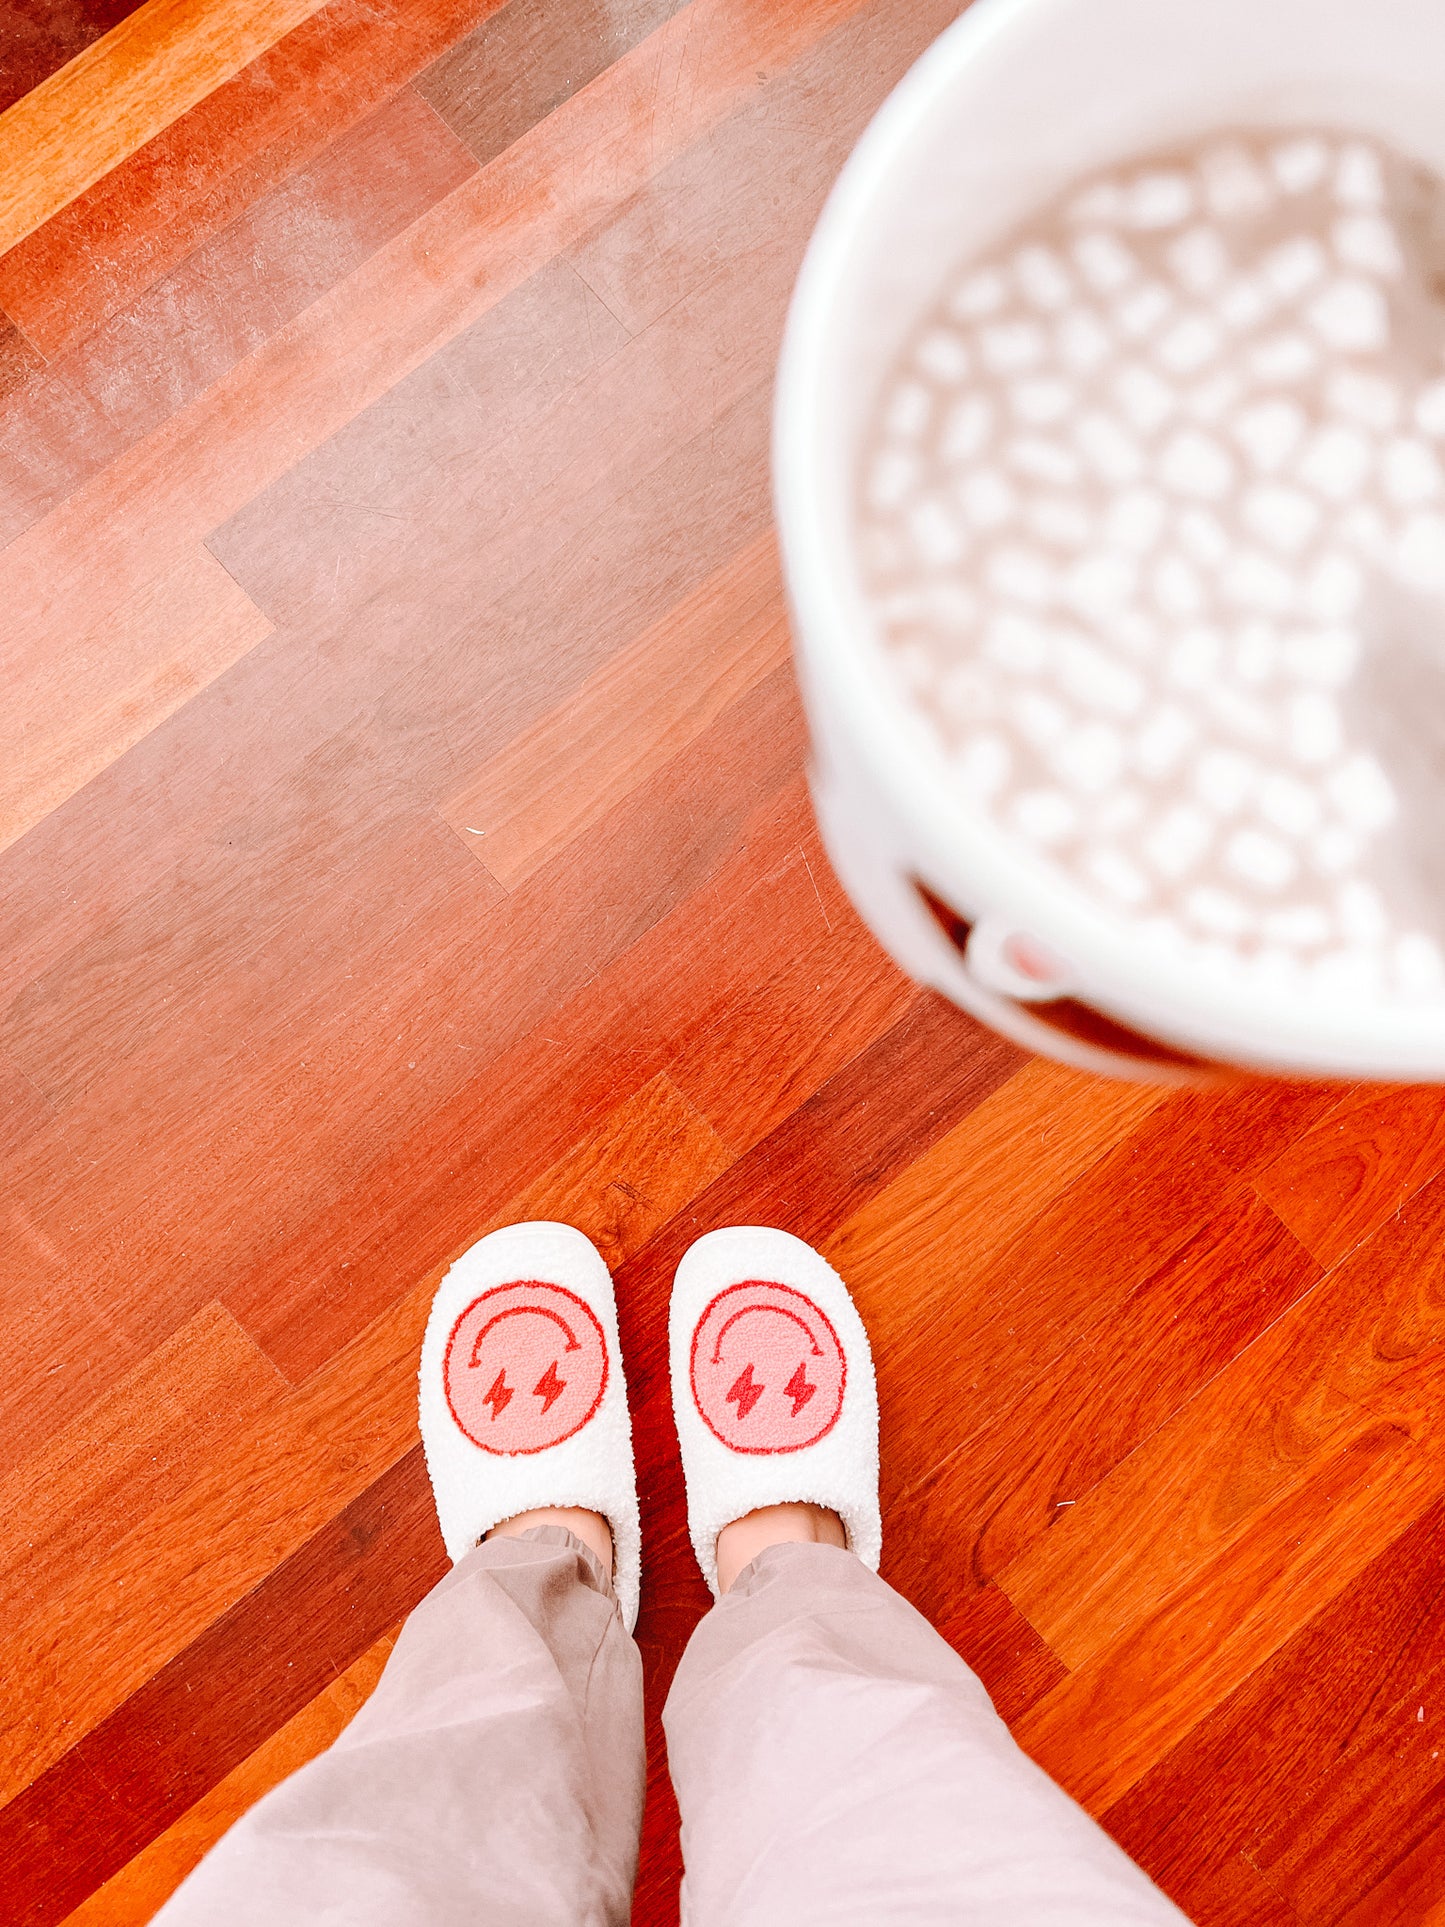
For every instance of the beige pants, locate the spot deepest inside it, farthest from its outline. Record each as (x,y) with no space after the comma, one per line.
(835,1761)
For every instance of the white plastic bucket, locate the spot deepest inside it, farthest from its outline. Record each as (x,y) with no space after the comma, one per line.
(1012,103)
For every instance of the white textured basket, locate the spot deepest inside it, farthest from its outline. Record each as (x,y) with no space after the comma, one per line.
(1014,101)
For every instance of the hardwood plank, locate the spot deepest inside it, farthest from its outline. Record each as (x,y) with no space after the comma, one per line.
(1002,1648)
(1036,1257)
(1369,1810)
(1341,1180)
(1241,1896)
(401,687)
(275,1477)
(124,1453)
(1266,1496)
(112,97)
(19,358)
(24,1109)
(1262,1753)
(459,1166)
(574,921)
(1411,1894)
(219,304)
(71,713)
(778,154)
(527,59)
(960,1521)
(211,1706)
(39,39)
(112,242)
(483,240)
(1352,1356)
(979,1186)
(1114,1717)
(131,1896)
(644,706)
(831,993)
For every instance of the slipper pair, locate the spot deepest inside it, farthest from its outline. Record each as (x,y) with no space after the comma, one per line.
(524,1404)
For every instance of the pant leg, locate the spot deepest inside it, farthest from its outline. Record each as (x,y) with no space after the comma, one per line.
(496,1773)
(836,1761)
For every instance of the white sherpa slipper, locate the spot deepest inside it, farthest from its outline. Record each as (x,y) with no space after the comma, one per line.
(772,1388)
(523,1401)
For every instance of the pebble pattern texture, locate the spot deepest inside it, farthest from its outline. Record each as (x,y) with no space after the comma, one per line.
(1153,525)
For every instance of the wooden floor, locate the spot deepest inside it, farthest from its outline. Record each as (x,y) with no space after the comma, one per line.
(404,833)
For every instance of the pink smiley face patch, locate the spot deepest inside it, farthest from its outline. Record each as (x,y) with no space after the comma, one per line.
(767,1369)
(525,1367)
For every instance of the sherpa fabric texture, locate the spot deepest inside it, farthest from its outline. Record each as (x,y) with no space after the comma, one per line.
(523,1401)
(773,1391)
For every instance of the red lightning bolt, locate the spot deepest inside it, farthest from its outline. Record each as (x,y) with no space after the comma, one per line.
(500,1396)
(549,1388)
(799,1390)
(746,1391)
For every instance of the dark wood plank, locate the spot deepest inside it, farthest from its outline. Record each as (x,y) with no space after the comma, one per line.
(1411,1894)
(988,1631)
(214,1703)
(42,35)
(1027,1459)
(1241,1779)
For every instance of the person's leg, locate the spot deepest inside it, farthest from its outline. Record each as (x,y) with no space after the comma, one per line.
(495,1774)
(835,1760)
(497,1771)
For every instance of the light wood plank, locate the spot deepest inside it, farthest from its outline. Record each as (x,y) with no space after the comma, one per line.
(977,1188)
(1102,1728)
(645,704)
(71,710)
(123,89)
(1361,1352)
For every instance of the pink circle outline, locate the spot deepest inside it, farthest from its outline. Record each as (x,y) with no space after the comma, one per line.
(524,1284)
(769,1284)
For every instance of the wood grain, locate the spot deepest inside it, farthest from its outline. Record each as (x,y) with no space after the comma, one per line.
(1341,1180)
(213,1704)
(135,1893)
(231,293)
(1294,1727)
(110,99)
(1037,1456)
(485,239)
(19,358)
(71,714)
(1335,1369)
(139,221)
(290,1464)
(646,704)
(39,39)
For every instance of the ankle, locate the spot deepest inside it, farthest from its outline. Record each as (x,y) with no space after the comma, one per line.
(799,1523)
(590,1527)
